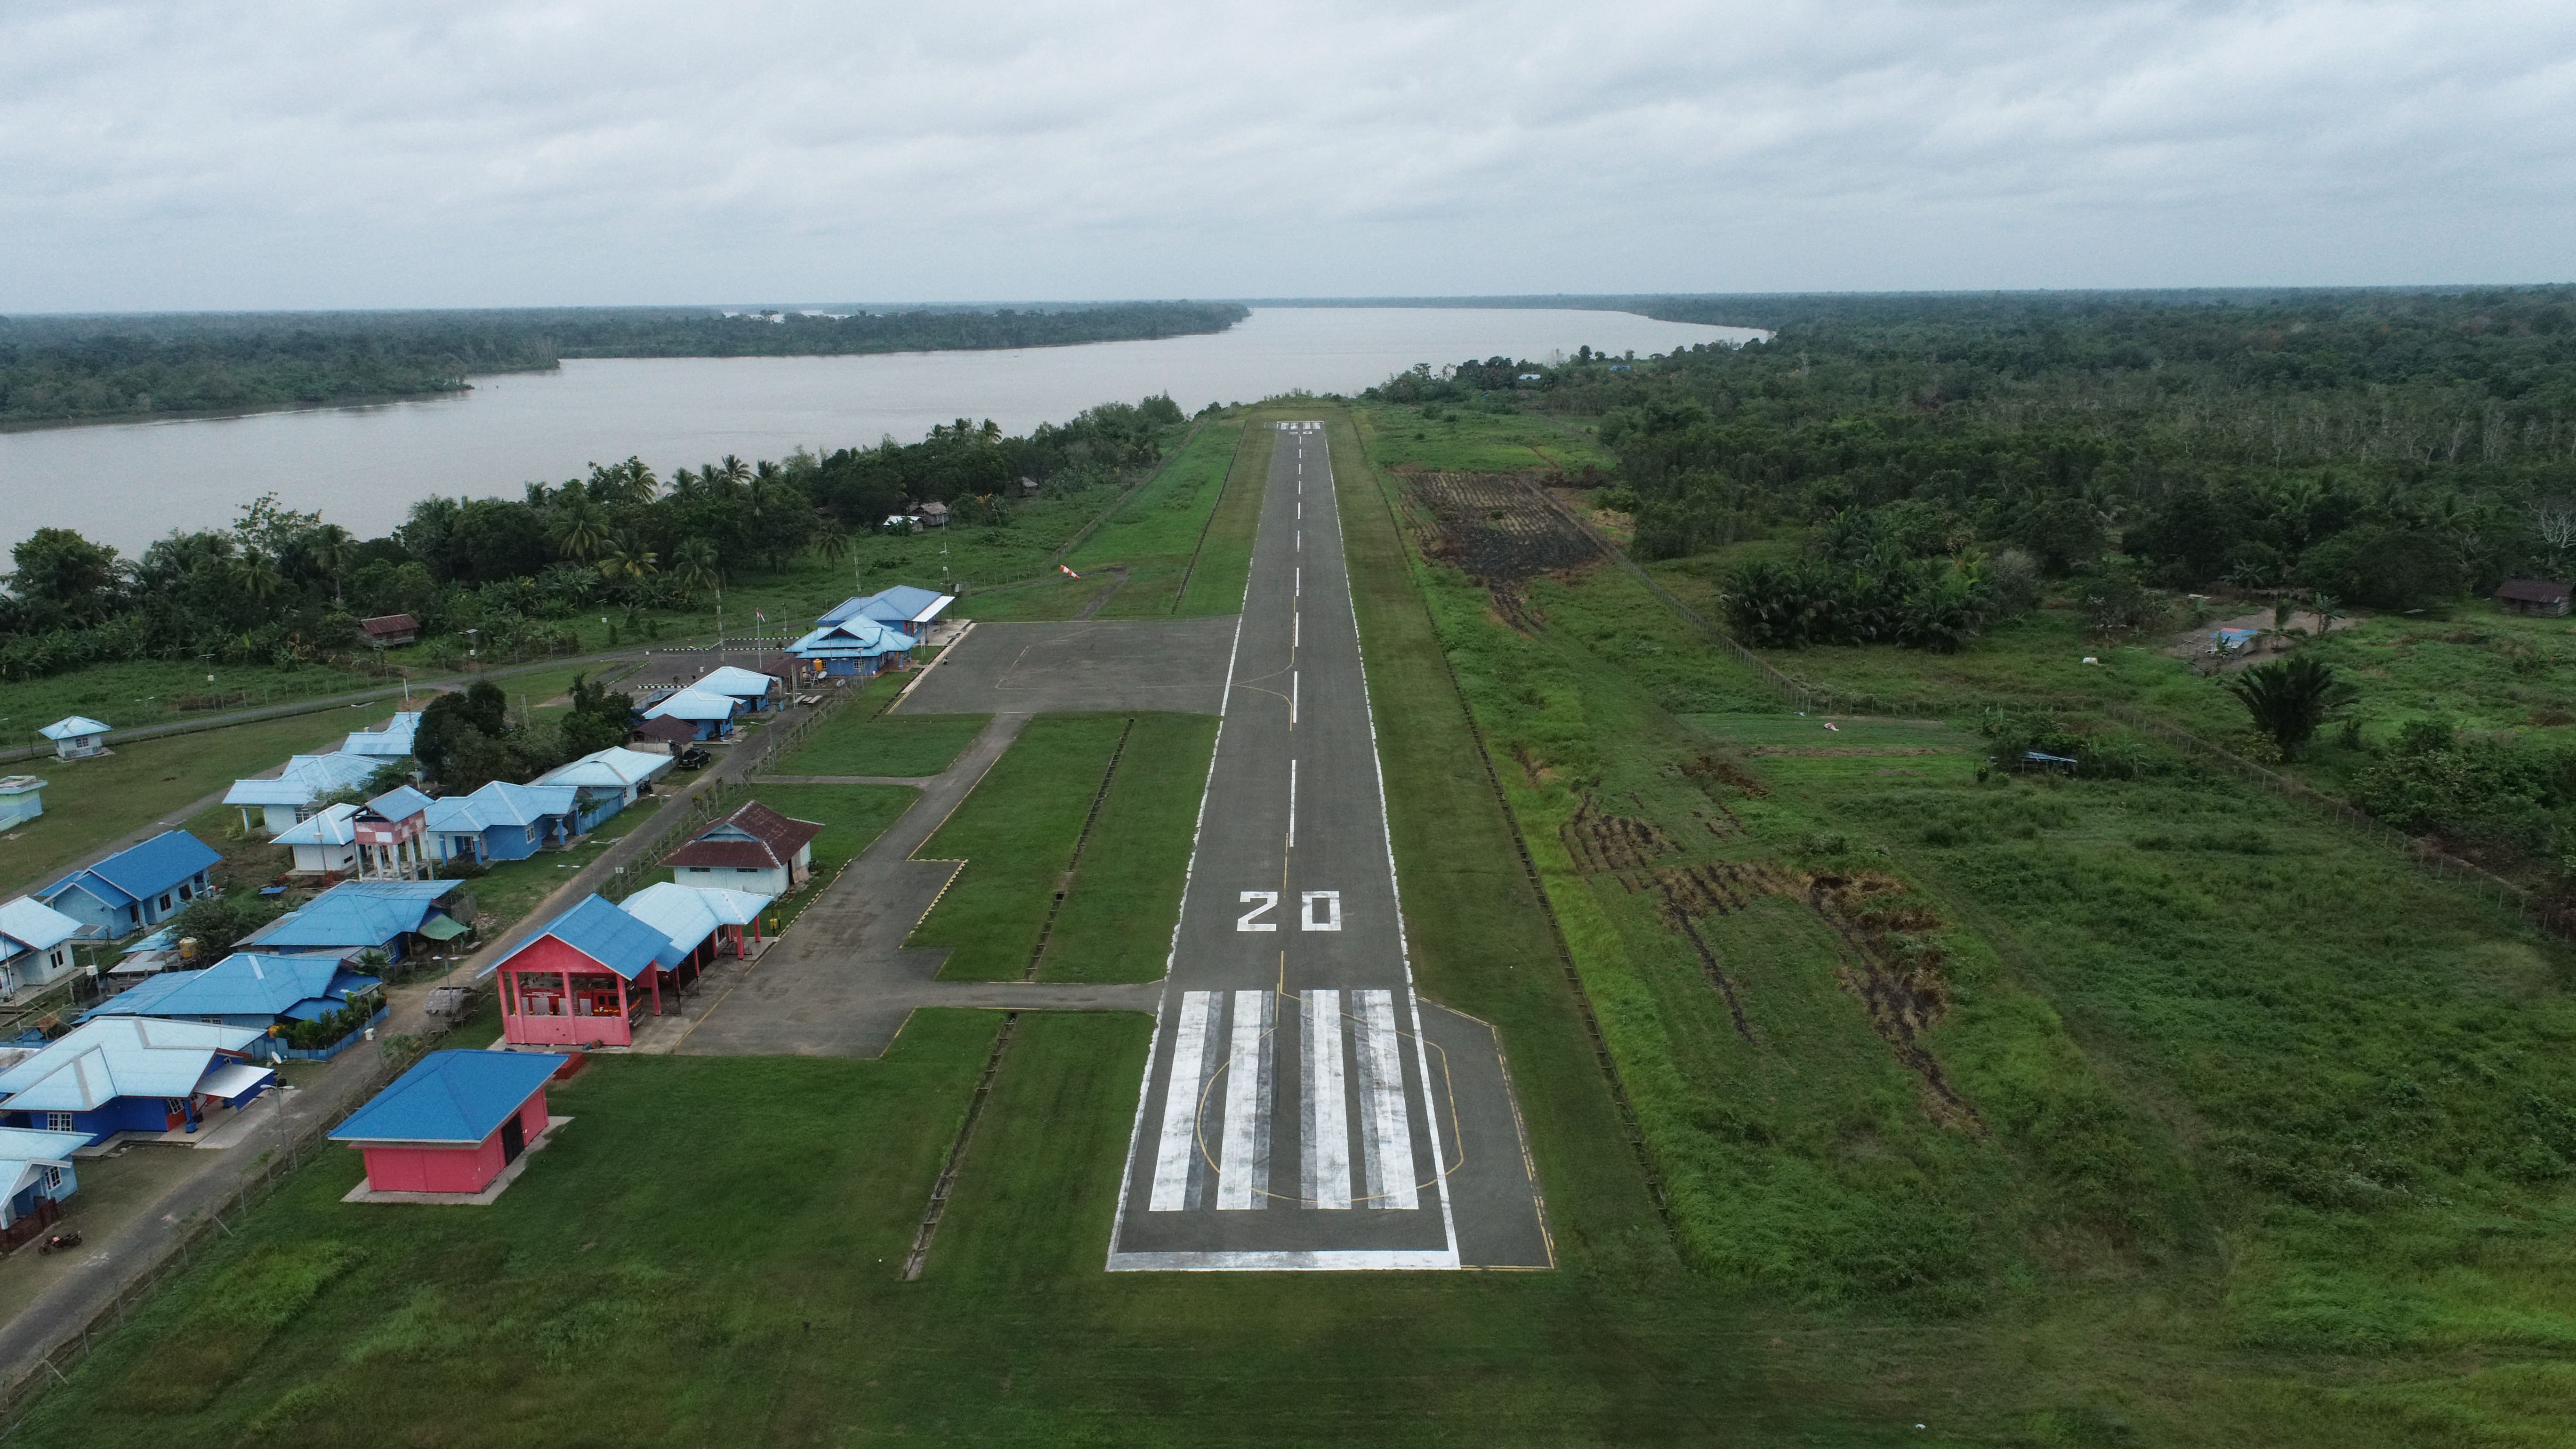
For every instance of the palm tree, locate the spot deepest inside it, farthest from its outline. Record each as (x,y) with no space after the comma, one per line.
(2289,698)
(693,567)
(332,549)
(577,530)
(732,472)
(627,557)
(684,485)
(831,539)
(257,576)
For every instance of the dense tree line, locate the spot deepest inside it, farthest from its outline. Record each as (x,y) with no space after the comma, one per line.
(55,369)
(2391,449)
(283,587)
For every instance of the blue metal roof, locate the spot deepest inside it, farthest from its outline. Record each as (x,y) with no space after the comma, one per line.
(902,604)
(500,803)
(72,727)
(356,913)
(695,703)
(399,803)
(608,936)
(159,864)
(99,1061)
(305,779)
(242,984)
(451,1096)
(851,638)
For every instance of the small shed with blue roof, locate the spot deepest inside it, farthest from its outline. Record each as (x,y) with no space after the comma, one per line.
(453,1123)
(585,978)
(136,887)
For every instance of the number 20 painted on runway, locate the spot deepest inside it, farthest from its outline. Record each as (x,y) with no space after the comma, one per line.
(1322,911)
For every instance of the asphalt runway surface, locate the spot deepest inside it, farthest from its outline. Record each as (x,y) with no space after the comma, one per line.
(1149,664)
(1301,1109)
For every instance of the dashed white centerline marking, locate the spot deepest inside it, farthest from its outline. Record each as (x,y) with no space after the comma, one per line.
(1292,697)
(1292,804)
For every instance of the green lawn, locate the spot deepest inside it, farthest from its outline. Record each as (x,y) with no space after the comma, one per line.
(1016,834)
(512,888)
(853,816)
(89,803)
(1469,440)
(859,741)
(1116,922)
(146,691)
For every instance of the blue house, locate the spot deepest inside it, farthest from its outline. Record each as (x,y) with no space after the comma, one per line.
(902,607)
(710,713)
(607,781)
(757,691)
(501,821)
(245,989)
(135,888)
(35,1171)
(854,648)
(133,1074)
(397,917)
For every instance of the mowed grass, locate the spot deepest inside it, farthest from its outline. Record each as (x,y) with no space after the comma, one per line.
(1016,833)
(1223,560)
(852,816)
(859,741)
(1467,439)
(1116,922)
(89,803)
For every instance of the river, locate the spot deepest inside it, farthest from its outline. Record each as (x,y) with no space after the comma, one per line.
(363,467)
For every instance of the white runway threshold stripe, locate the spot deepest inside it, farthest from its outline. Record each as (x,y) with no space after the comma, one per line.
(1192,1064)
(1324,1166)
(1386,1129)
(1243,1169)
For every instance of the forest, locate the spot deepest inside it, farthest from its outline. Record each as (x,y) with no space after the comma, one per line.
(56,369)
(286,587)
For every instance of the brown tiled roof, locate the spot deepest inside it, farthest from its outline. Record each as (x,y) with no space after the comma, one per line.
(678,731)
(775,840)
(391,624)
(2532,591)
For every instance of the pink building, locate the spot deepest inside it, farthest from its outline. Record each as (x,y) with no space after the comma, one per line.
(585,978)
(453,1122)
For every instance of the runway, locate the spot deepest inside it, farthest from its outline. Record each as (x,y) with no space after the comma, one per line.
(1295,1114)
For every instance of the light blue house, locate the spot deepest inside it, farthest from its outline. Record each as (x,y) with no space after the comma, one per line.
(854,648)
(246,988)
(709,713)
(22,798)
(392,742)
(35,1170)
(902,607)
(35,944)
(299,789)
(76,737)
(135,888)
(757,691)
(397,917)
(501,821)
(133,1074)
(607,781)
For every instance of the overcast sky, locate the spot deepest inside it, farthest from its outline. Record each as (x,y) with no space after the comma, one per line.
(264,154)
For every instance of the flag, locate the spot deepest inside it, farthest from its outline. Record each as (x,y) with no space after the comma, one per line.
(762,617)
(1068,573)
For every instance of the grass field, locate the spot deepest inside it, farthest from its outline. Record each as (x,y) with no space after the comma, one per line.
(2197,1090)
(1016,833)
(145,691)
(1116,921)
(89,803)
(858,741)
(1467,440)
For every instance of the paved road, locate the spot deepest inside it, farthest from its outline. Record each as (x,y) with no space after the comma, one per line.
(841,982)
(1294,1114)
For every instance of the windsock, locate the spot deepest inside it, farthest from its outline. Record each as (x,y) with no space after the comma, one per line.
(1068,573)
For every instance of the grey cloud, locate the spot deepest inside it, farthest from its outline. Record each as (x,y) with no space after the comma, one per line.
(270,153)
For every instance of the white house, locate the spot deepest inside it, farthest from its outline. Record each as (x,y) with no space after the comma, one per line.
(326,844)
(76,738)
(35,944)
(753,849)
(292,797)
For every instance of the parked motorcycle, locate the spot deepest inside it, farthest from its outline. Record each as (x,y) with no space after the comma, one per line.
(61,1242)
